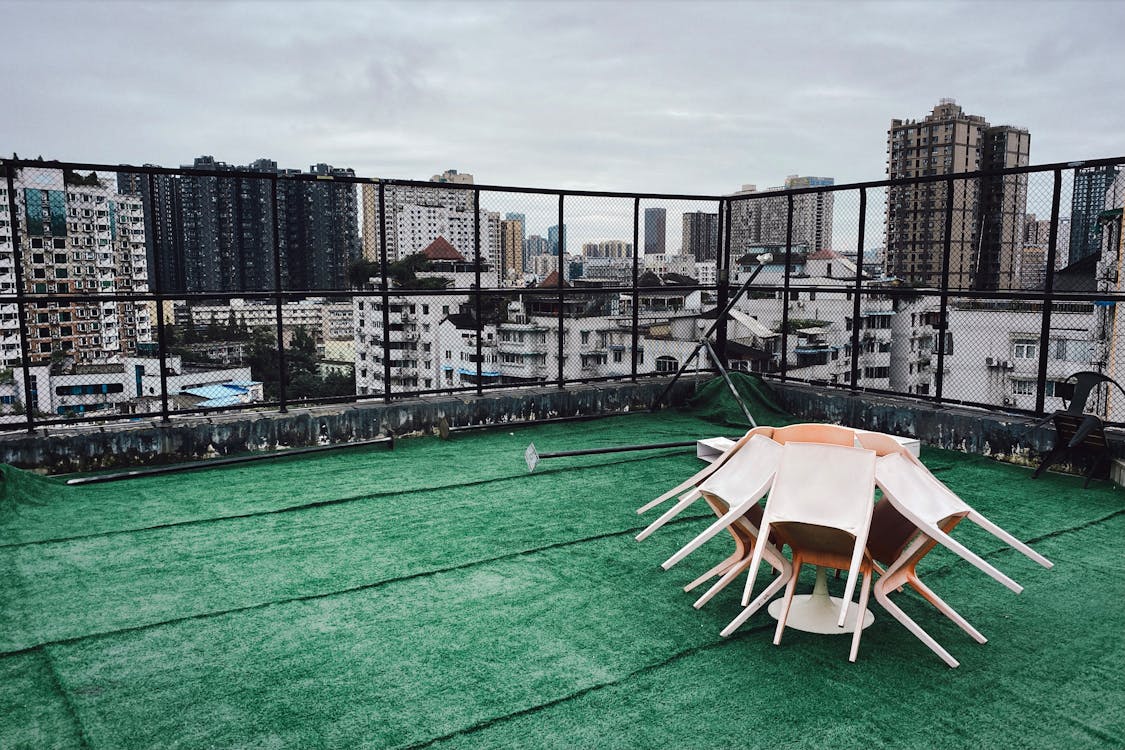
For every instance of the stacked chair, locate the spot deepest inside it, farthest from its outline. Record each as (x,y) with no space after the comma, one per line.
(820,482)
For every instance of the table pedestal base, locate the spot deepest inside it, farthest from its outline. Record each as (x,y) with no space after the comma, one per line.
(818,612)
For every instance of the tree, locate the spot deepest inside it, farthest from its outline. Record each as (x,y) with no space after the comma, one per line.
(361,271)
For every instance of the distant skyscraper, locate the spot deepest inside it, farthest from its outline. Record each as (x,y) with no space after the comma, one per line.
(522,219)
(320,232)
(700,235)
(216,233)
(987,213)
(163,225)
(1091,184)
(655,230)
(511,250)
(764,221)
(553,239)
(534,246)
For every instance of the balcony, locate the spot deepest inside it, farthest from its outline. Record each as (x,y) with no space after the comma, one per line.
(390,594)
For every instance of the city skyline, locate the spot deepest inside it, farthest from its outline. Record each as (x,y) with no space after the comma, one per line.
(381,105)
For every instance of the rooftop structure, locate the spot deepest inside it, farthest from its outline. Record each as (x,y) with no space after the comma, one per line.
(419,599)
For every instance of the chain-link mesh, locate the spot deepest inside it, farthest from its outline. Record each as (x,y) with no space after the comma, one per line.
(260,285)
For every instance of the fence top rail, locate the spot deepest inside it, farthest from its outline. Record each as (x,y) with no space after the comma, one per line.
(150,169)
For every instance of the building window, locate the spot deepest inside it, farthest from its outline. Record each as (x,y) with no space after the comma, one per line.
(1023,387)
(1024,349)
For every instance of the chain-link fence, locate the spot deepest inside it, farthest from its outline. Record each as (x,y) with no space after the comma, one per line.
(145,292)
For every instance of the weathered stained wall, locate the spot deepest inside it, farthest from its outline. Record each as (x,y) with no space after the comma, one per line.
(87,448)
(70,449)
(1002,436)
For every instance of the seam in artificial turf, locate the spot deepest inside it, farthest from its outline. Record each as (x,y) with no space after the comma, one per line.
(338,592)
(468,564)
(1088,524)
(639,672)
(320,504)
(64,694)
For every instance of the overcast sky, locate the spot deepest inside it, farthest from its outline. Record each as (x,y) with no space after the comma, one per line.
(684,97)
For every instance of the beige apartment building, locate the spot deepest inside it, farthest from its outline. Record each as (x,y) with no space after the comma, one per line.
(988,213)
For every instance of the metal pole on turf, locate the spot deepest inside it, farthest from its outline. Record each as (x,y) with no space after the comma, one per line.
(533,457)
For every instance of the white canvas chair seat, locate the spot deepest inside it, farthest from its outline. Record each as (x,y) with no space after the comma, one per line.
(733,492)
(811,432)
(927,503)
(821,501)
(923,501)
(690,485)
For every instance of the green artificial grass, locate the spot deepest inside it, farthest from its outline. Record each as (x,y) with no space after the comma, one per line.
(440,596)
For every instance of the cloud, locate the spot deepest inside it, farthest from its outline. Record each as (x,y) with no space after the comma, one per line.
(654,96)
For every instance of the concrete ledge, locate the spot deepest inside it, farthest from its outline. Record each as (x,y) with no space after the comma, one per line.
(1006,437)
(145,443)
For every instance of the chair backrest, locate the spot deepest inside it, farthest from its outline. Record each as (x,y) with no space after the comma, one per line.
(814,432)
(824,485)
(1086,430)
(745,471)
(1084,383)
(927,503)
(881,443)
(824,492)
(913,488)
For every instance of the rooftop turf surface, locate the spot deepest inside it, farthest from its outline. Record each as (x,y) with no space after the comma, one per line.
(440,596)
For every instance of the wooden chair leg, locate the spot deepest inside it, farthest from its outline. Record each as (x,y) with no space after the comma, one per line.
(896,612)
(864,591)
(783,615)
(946,610)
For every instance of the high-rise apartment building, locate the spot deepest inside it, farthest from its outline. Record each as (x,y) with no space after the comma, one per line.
(77,235)
(1091,187)
(613,249)
(319,228)
(655,231)
(511,252)
(765,221)
(216,233)
(987,212)
(522,219)
(554,237)
(418,215)
(700,235)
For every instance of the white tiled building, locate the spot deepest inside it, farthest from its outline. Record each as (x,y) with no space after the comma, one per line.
(75,239)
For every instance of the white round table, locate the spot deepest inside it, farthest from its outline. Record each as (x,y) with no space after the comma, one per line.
(818,612)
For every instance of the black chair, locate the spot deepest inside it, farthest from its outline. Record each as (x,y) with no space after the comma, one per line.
(1078,434)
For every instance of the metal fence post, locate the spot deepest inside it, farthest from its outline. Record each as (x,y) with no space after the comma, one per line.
(477,292)
(21,303)
(722,268)
(283,374)
(785,292)
(562,294)
(636,292)
(858,291)
(158,289)
(386,298)
(943,308)
(1048,296)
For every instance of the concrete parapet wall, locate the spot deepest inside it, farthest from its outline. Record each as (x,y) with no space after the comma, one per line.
(145,443)
(1006,437)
